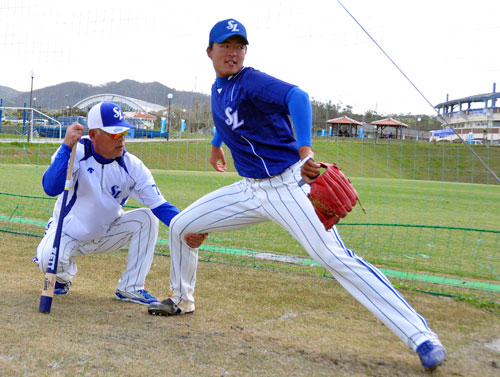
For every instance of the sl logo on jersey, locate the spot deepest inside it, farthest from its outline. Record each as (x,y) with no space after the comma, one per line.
(115,192)
(118,113)
(90,170)
(231,25)
(232,118)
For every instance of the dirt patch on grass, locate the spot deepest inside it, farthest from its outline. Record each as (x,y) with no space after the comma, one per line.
(248,322)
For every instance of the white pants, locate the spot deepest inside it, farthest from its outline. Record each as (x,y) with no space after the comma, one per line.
(282,200)
(138,227)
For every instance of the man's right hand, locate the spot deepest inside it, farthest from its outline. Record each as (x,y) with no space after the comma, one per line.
(194,240)
(73,134)
(217,159)
(311,169)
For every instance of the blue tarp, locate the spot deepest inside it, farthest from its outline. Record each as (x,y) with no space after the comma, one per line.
(443,132)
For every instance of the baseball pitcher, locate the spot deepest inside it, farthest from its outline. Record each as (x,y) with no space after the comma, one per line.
(251,114)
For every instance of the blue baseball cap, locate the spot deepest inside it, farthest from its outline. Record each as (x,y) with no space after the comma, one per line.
(225,29)
(108,116)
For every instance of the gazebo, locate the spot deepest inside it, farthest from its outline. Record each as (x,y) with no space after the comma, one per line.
(389,122)
(343,126)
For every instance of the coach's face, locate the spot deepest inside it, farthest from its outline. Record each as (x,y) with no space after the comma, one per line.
(107,146)
(228,56)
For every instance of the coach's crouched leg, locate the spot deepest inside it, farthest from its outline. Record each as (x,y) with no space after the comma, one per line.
(141,225)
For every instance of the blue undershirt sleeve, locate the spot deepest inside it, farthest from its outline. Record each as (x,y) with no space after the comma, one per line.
(300,110)
(54,178)
(165,212)
(216,140)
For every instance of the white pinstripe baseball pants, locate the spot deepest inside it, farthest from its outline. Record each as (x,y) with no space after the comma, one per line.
(138,227)
(281,200)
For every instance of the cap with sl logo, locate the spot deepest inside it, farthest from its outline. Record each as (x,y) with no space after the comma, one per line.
(225,29)
(108,116)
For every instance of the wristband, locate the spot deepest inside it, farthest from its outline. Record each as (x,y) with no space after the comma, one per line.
(303,162)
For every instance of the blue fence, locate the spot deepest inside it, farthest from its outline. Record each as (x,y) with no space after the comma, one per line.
(53,132)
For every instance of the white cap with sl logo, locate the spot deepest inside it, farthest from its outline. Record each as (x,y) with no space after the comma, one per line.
(108,116)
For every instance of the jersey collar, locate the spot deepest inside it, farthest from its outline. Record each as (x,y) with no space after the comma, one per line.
(220,82)
(236,75)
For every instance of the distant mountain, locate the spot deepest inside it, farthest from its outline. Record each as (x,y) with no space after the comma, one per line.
(69,93)
(7,94)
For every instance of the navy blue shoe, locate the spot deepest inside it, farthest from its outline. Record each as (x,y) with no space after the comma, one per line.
(432,354)
(61,288)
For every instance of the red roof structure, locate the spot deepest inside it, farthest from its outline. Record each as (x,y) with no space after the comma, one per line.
(343,126)
(344,120)
(142,115)
(389,122)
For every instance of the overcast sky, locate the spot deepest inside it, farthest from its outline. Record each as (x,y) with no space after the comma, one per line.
(443,46)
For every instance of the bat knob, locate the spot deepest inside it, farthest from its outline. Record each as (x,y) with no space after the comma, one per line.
(45,304)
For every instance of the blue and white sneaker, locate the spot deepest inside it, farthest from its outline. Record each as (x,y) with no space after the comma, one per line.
(432,354)
(139,297)
(61,288)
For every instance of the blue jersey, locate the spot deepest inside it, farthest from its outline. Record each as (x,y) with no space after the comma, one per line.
(251,116)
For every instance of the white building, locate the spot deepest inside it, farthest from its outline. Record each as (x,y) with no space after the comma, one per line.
(140,120)
(476,119)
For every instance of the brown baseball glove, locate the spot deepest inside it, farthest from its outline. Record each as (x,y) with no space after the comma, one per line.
(333,195)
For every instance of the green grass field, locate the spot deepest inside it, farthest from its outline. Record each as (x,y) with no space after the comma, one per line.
(425,220)
(400,159)
(388,177)
(446,227)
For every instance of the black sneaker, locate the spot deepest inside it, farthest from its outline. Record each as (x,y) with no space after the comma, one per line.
(169,307)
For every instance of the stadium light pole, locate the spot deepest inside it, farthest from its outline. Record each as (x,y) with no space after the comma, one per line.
(30,133)
(66,114)
(170,96)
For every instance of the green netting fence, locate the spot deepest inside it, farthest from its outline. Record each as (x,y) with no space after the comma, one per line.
(432,219)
